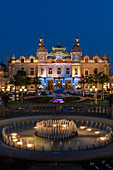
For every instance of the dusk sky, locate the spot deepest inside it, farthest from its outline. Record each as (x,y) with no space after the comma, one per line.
(22,22)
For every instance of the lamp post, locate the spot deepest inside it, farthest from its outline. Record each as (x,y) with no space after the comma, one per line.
(78,87)
(94,89)
(22,90)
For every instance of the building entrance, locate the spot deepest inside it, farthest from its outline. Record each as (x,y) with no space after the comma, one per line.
(50,84)
(59,83)
(68,84)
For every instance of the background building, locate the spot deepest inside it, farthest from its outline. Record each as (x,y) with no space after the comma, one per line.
(59,67)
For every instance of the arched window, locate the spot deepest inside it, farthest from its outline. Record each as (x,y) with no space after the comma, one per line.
(86,60)
(96,60)
(31,60)
(22,60)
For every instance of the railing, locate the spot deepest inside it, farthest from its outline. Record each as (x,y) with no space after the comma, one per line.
(55,109)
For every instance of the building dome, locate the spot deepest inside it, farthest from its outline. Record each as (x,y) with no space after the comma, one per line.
(76,47)
(41,47)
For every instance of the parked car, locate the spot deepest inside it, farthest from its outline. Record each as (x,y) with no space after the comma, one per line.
(58,99)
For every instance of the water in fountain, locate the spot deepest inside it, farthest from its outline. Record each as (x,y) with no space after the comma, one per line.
(56,129)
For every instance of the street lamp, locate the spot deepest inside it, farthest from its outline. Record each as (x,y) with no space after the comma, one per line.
(22,90)
(78,87)
(94,89)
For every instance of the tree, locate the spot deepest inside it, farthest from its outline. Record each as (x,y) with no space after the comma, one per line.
(15,83)
(20,79)
(103,79)
(36,82)
(83,82)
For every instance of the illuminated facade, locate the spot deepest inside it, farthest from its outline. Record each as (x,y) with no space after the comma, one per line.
(59,67)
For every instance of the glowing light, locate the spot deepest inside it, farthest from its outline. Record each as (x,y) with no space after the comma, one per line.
(59,58)
(89,130)
(95,89)
(102,138)
(14,140)
(35,127)
(29,145)
(64,125)
(14,134)
(54,125)
(13,137)
(19,143)
(97,132)
(82,127)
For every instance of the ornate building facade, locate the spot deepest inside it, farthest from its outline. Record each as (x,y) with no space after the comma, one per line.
(59,67)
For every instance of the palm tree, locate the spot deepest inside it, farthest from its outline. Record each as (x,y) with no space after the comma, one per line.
(83,81)
(36,82)
(103,79)
(15,83)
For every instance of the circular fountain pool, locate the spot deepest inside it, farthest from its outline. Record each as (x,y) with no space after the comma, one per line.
(56,136)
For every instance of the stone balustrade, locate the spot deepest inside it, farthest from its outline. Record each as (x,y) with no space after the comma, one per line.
(56,109)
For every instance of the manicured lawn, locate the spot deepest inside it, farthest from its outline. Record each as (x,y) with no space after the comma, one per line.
(47,99)
(33,100)
(88,101)
(71,99)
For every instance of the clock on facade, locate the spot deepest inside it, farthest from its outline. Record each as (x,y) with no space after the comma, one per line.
(59,58)
(76,57)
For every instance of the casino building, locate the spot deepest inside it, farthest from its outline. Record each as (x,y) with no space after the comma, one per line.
(59,67)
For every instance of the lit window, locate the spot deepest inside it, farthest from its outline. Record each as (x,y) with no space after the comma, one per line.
(59,71)
(86,72)
(31,71)
(42,71)
(41,57)
(31,60)
(76,71)
(22,60)
(67,71)
(76,57)
(59,58)
(50,70)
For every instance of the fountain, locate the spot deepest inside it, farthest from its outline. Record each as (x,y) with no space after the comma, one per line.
(56,129)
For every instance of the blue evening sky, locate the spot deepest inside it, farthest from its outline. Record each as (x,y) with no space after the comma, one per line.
(22,22)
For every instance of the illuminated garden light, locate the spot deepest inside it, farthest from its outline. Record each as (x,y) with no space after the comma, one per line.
(89,130)
(97,132)
(82,127)
(29,145)
(54,125)
(14,140)
(13,137)
(14,134)
(64,126)
(19,143)
(102,138)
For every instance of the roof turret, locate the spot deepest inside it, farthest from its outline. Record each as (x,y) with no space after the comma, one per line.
(76,47)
